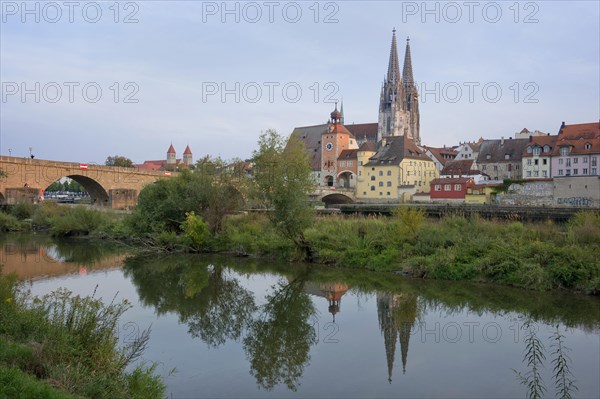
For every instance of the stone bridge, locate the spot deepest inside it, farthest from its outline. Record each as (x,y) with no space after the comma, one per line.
(107,185)
(334,195)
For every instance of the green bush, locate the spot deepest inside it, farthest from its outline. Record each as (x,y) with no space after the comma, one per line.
(22,210)
(11,223)
(78,221)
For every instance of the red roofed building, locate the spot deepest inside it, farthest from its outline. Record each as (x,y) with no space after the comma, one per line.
(171,163)
(577,150)
(450,189)
(347,168)
(536,157)
(440,156)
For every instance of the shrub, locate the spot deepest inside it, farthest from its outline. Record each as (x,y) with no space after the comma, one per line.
(10,223)
(22,210)
(196,231)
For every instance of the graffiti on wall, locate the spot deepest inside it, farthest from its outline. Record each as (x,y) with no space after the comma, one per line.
(575,201)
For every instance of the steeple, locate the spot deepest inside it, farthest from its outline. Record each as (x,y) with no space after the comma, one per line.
(342,111)
(407,72)
(393,74)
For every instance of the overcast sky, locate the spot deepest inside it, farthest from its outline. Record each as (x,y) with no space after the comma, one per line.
(78,86)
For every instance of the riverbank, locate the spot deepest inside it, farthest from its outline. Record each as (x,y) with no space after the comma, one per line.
(537,256)
(66,346)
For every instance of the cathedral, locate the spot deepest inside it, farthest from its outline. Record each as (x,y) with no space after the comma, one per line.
(398,103)
(380,161)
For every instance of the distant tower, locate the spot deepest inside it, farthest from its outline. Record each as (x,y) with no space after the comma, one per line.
(398,103)
(171,156)
(187,156)
(413,128)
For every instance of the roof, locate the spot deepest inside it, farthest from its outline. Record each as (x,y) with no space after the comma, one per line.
(461,167)
(347,154)
(540,141)
(493,151)
(310,136)
(577,130)
(337,128)
(577,137)
(187,150)
(395,150)
(451,180)
(443,155)
(364,131)
(158,164)
(171,150)
(368,146)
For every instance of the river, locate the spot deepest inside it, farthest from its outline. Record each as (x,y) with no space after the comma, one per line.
(229,327)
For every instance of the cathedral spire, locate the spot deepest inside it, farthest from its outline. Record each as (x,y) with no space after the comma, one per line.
(407,72)
(342,111)
(393,74)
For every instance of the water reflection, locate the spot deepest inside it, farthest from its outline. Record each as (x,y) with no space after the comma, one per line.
(207,298)
(32,256)
(397,314)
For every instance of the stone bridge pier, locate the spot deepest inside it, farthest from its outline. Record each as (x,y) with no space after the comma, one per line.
(110,186)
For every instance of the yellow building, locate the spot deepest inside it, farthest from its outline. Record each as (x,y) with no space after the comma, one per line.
(395,172)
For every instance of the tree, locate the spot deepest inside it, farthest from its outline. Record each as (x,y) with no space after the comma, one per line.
(282,182)
(210,191)
(120,161)
(3,173)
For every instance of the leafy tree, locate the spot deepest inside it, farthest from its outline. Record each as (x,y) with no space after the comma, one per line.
(210,191)
(282,184)
(119,160)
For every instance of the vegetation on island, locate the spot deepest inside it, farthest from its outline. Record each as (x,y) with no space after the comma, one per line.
(119,160)
(198,211)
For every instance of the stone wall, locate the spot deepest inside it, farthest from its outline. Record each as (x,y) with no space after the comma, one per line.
(577,191)
(530,193)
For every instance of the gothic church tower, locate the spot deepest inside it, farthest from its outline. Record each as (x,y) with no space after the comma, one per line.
(398,104)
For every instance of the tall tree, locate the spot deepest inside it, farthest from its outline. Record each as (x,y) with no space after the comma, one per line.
(282,183)
(119,160)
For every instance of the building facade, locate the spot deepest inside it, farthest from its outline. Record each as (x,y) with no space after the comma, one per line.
(537,157)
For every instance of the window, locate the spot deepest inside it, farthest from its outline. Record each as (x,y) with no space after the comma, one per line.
(388,193)
(408,173)
(349,163)
(517,166)
(506,156)
(447,187)
(496,167)
(389,173)
(544,173)
(546,148)
(568,172)
(380,184)
(438,187)
(372,178)
(585,171)
(381,173)
(537,151)
(342,164)
(587,146)
(594,172)
(488,156)
(545,161)
(575,160)
(560,172)
(529,150)
(536,162)
(360,163)
(529,162)
(575,171)
(560,161)
(594,160)
(457,187)
(483,167)
(528,173)
(564,151)
(389,184)
(584,159)
(536,173)
(372,188)
(568,161)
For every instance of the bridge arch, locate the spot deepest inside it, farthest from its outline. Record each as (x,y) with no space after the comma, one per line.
(98,194)
(337,198)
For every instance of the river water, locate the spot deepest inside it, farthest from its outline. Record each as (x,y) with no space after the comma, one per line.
(239,328)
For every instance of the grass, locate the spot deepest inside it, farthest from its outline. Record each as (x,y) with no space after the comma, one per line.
(62,346)
(537,256)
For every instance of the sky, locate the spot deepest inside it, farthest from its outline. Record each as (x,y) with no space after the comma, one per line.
(82,81)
